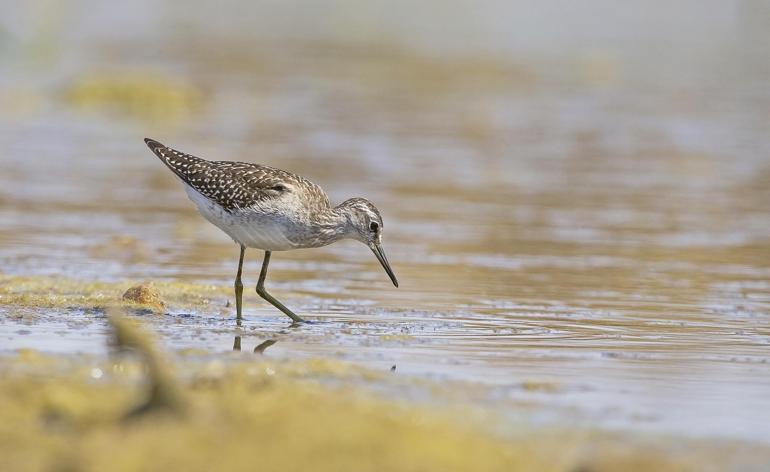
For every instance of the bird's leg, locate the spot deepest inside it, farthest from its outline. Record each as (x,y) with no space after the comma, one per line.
(263,293)
(239,287)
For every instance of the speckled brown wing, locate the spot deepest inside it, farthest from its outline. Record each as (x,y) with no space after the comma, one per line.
(232,185)
(277,181)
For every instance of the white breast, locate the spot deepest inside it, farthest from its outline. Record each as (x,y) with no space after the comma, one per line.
(248,227)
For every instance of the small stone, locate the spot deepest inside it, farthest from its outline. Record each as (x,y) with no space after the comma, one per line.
(144,294)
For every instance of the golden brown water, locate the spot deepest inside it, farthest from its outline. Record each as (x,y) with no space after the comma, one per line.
(588,235)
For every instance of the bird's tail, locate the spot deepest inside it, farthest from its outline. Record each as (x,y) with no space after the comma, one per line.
(155,147)
(180,163)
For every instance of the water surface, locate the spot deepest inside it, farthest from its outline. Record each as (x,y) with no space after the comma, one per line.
(593,238)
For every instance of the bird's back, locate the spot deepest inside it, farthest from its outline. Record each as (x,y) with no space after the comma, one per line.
(258,206)
(232,185)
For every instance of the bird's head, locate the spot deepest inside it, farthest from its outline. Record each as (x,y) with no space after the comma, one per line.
(365,225)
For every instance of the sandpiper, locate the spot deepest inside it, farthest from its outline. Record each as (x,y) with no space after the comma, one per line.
(271,209)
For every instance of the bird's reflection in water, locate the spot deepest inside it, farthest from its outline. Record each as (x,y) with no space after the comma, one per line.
(259,349)
(237,340)
(264,345)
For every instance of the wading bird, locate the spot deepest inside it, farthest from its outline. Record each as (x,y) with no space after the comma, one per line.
(270,209)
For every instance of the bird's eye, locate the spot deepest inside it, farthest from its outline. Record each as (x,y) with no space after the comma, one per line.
(374,226)
(278,188)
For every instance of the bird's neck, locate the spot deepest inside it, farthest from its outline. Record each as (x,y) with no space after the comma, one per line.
(331,225)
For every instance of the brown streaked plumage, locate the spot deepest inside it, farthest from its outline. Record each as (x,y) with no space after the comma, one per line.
(271,209)
(233,185)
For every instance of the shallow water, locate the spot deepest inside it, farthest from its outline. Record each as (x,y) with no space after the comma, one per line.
(595,241)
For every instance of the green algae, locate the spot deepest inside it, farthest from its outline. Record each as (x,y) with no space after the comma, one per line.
(245,412)
(143,95)
(163,395)
(57,292)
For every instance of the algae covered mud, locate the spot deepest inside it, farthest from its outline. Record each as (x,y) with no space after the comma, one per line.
(581,233)
(77,413)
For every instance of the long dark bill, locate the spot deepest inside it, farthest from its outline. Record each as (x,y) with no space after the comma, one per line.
(377,250)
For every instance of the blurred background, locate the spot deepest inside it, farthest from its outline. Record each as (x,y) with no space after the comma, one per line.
(574,193)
